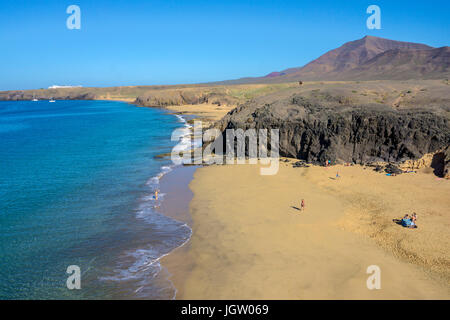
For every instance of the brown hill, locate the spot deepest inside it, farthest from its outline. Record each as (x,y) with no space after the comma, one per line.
(399,64)
(369,58)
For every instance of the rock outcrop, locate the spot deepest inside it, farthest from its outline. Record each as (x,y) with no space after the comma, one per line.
(446,172)
(166,98)
(316,133)
(441,163)
(392,169)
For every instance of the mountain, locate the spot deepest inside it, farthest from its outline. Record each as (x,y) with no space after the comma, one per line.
(369,58)
(399,64)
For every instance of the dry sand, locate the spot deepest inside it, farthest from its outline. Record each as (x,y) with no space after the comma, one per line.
(207,112)
(251,242)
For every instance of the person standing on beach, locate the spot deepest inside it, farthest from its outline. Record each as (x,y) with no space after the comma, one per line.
(302,205)
(156,195)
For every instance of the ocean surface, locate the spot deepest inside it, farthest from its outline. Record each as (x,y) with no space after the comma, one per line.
(77,182)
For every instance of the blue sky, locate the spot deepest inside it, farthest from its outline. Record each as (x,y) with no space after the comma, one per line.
(168,42)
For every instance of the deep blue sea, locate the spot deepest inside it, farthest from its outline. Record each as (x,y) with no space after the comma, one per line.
(76,188)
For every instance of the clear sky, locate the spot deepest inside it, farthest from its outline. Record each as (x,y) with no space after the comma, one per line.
(168,42)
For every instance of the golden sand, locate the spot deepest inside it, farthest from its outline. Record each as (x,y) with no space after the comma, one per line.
(251,242)
(207,112)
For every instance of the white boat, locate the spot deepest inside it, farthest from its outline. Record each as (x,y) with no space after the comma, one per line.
(51,100)
(34,99)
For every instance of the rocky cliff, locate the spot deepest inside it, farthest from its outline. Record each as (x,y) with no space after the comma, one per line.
(446,172)
(166,98)
(316,132)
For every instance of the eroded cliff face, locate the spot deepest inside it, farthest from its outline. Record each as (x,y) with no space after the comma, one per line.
(316,133)
(184,97)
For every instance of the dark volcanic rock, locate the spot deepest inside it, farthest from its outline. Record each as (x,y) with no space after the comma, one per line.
(392,169)
(446,173)
(358,134)
(441,163)
(378,168)
(300,164)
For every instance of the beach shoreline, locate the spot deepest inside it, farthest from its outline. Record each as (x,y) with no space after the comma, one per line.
(174,185)
(196,269)
(176,206)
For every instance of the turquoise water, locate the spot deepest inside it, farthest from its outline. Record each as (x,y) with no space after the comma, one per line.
(76,186)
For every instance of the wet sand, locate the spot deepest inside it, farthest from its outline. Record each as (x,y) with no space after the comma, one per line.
(250,241)
(177,195)
(177,198)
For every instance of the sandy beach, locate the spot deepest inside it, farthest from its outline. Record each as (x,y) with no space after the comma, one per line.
(250,241)
(207,113)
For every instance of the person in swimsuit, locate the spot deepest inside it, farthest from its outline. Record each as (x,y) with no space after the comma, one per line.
(302,205)
(413,221)
(406,221)
(156,195)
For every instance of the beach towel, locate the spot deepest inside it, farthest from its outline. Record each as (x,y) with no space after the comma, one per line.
(406,222)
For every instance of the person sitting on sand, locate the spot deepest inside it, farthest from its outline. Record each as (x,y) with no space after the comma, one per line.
(413,221)
(406,221)
(302,205)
